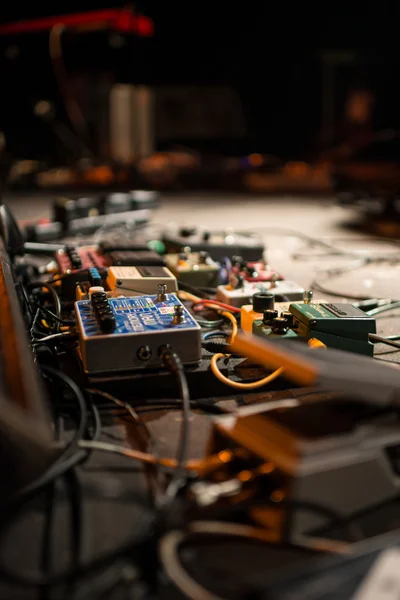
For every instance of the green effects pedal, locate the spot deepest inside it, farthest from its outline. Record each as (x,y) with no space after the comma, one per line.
(341,326)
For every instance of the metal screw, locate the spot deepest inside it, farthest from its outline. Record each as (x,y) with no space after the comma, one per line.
(274,279)
(162,292)
(307,297)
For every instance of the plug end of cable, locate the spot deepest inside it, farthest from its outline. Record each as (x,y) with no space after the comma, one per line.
(170,358)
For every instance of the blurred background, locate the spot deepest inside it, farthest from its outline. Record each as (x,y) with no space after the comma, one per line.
(173,96)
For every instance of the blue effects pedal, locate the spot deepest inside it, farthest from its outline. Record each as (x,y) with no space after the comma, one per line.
(127,333)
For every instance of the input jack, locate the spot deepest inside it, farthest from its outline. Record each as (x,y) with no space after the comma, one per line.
(144,353)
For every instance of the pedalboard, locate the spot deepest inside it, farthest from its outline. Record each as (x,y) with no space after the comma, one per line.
(243,294)
(218,244)
(194,268)
(124,334)
(341,326)
(140,280)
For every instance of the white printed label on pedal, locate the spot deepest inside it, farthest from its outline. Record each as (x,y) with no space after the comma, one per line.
(383,579)
(166,310)
(125,273)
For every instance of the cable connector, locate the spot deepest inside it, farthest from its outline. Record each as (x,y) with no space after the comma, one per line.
(216,347)
(170,359)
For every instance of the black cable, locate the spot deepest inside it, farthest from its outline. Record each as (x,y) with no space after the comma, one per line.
(216,347)
(62,276)
(26,300)
(334,518)
(53,316)
(82,428)
(130,549)
(80,432)
(33,329)
(212,409)
(377,339)
(372,303)
(197,291)
(46,554)
(73,492)
(54,472)
(55,296)
(393,305)
(171,360)
(156,405)
(78,571)
(53,293)
(106,583)
(46,550)
(53,342)
(65,459)
(96,421)
(75,504)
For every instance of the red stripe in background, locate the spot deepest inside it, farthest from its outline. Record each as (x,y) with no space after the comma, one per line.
(117,19)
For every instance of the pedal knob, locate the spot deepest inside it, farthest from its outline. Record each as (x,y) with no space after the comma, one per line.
(273,281)
(203,256)
(104,310)
(279,325)
(108,323)
(263,301)
(99,302)
(182,259)
(187,231)
(289,317)
(269,316)
(178,314)
(238,261)
(75,260)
